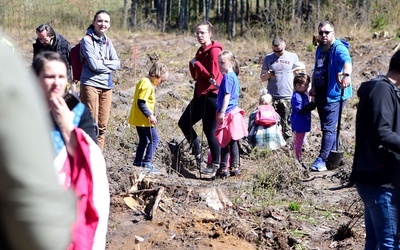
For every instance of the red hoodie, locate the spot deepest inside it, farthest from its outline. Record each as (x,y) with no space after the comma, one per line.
(206,67)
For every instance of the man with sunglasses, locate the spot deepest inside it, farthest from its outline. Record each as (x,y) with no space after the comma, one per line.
(48,40)
(277,70)
(332,59)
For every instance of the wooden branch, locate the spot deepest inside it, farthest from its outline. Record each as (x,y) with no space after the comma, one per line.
(144,191)
(156,202)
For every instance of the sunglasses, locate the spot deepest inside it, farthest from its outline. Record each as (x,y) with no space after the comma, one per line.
(325,32)
(277,51)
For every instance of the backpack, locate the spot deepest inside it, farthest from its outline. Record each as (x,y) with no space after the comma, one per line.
(345,43)
(266,116)
(76,63)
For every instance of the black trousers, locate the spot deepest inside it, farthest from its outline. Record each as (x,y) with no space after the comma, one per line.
(201,108)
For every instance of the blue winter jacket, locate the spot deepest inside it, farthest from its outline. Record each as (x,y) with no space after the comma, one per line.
(338,56)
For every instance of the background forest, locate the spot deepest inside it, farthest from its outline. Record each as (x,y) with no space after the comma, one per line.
(232,17)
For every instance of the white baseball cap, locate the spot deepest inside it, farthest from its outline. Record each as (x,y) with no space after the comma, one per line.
(298,66)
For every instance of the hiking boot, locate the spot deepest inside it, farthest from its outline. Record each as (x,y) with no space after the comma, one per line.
(200,161)
(319,165)
(234,170)
(151,169)
(210,169)
(223,171)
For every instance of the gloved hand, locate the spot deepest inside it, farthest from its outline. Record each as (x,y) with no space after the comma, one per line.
(308,108)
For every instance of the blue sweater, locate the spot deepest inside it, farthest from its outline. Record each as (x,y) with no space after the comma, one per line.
(300,122)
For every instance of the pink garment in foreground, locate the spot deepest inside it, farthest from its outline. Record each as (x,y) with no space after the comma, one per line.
(81,182)
(232,128)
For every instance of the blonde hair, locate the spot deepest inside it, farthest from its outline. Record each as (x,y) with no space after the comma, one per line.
(231,58)
(265,99)
(158,69)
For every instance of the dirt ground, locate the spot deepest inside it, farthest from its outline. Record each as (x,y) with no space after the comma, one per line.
(181,209)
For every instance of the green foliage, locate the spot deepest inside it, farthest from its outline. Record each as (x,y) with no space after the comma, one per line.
(379,23)
(310,47)
(293,206)
(278,18)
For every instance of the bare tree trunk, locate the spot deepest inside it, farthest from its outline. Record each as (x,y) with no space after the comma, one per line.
(234,15)
(207,10)
(218,3)
(299,13)
(164,7)
(248,10)
(125,16)
(132,20)
(183,17)
(242,16)
(159,11)
(227,14)
(364,10)
(258,7)
(317,17)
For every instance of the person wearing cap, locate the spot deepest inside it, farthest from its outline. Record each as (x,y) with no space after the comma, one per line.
(332,58)
(298,68)
(276,69)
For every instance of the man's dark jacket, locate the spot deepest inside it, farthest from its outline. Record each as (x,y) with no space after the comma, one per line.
(377,150)
(60,45)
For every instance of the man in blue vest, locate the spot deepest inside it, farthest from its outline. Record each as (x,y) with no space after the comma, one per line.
(331,59)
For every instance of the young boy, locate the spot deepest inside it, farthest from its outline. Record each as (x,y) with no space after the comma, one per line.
(143,118)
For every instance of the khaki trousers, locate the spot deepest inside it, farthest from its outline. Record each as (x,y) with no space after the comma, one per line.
(99,102)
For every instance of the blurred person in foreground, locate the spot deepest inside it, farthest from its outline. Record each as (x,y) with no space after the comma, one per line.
(277,70)
(79,162)
(48,40)
(377,157)
(35,212)
(331,58)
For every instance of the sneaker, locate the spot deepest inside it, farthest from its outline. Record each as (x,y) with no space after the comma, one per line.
(151,169)
(234,169)
(319,165)
(223,171)
(137,164)
(210,169)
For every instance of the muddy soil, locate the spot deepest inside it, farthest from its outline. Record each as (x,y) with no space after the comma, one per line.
(180,209)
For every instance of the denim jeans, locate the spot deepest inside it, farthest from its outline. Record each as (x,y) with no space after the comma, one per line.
(99,102)
(380,216)
(328,115)
(148,141)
